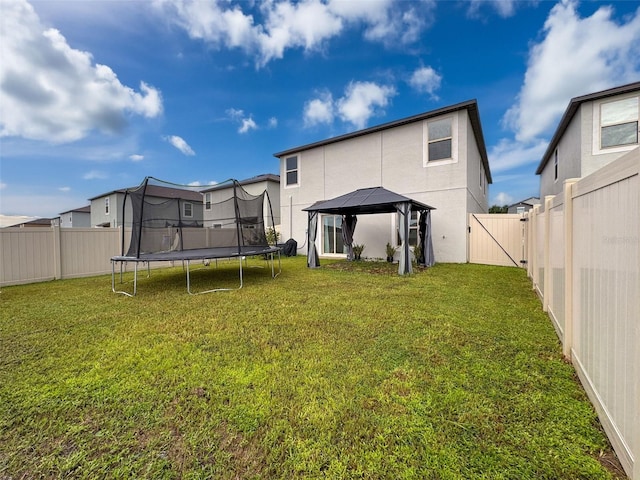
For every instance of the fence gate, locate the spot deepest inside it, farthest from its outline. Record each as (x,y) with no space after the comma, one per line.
(497,239)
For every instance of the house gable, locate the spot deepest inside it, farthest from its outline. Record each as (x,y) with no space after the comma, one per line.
(577,147)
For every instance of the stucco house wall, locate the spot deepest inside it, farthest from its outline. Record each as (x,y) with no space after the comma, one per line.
(253,186)
(577,139)
(393,156)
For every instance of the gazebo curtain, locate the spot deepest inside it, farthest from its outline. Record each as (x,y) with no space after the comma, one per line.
(424,228)
(348,227)
(313,259)
(404,265)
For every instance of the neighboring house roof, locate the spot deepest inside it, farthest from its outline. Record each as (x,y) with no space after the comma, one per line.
(529,201)
(38,222)
(86,209)
(471,106)
(571,110)
(265,177)
(365,201)
(161,192)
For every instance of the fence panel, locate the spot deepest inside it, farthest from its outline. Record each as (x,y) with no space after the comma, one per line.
(87,251)
(556,267)
(587,242)
(27,255)
(606,304)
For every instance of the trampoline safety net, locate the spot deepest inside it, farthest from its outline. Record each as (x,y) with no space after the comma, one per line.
(165,219)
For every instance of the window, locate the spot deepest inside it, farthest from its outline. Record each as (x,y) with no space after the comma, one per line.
(106,206)
(555,165)
(187,210)
(520,210)
(291,170)
(332,234)
(207,201)
(439,139)
(413,229)
(619,123)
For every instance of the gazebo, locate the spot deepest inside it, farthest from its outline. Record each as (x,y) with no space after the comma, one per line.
(367,201)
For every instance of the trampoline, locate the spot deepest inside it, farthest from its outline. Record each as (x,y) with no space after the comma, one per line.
(169,224)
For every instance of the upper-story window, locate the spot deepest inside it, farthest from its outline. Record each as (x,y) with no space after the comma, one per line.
(106,206)
(187,209)
(291,170)
(440,139)
(619,123)
(207,201)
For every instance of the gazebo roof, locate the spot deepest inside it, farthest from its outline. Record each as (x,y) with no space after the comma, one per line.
(365,201)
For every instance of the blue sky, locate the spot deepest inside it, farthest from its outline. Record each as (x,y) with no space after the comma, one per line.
(95,95)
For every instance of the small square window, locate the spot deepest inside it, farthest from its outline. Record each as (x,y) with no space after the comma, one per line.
(291,170)
(439,139)
(187,210)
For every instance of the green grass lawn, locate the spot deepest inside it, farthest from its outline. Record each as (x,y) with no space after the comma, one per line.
(347,371)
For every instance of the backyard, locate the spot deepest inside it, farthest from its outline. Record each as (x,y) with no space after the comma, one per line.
(346,371)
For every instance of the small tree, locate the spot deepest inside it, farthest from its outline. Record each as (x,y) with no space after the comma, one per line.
(499,209)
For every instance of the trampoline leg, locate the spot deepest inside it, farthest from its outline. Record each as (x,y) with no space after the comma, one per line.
(113,282)
(214,289)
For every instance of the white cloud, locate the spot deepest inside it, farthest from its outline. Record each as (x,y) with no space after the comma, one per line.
(180,144)
(426,80)
(246,122)
(268,30)
(9,220)
(273,122)
(136,157)
(65,189)
(508,154)
(3,186)
(247,125)
(502,198)
(504,8)
(53,92)
(361,101)
(319,110)
(577,56)
(95,175)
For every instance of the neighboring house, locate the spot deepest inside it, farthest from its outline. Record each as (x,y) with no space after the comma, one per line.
(254,186)
(595,130)
(523,205)
(437,158)
(76,218)
(37,223)
(106,209)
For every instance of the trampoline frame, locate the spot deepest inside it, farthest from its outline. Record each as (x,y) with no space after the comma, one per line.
(186,256)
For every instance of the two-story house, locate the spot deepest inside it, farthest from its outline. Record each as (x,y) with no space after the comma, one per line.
(253,186)
(595,130)
(76,218)
(437,158)
(107,209)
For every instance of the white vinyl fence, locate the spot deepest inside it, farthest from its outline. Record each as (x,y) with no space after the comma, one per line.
(584,251)
(39,254)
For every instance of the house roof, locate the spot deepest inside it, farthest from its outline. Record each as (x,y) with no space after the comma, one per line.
(160,192)
(529,201)
(365,201)
(265,177)
(474,116)
(86,209)
(571,110)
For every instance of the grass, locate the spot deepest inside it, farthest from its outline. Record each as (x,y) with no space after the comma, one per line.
(347,371)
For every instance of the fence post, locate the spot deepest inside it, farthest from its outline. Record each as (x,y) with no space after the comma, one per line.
(567,344)
(546,291)
(57,249)
(533,234)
